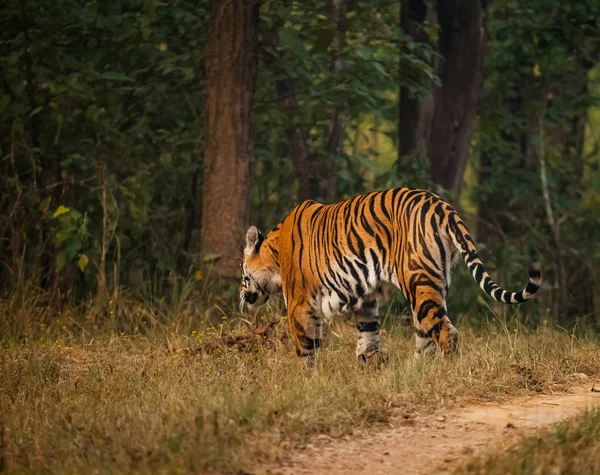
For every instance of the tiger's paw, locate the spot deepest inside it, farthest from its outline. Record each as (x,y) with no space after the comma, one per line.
(373,359)
(449,342)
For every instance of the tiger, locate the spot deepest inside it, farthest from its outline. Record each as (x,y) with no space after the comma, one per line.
(348,257)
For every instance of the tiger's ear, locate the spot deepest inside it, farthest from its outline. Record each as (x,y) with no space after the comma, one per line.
(253,236)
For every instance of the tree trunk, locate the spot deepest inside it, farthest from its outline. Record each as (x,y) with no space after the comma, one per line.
(414,114)
(561,282)
(229,127)
(297,137)
(191,212)
(337,126)
(48,173)
(461,45)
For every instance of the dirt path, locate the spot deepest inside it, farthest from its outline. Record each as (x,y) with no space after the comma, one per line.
(439,443)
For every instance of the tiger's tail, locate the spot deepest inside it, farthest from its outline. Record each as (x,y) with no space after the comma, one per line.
(464,243)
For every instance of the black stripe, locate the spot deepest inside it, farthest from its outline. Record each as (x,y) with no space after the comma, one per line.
(532,288)
(382,204)
(368,327)
(376,264)
(425,308)
(497,294)
(440,244)
(308,344)
(479,274)
(435,329)
(382,248)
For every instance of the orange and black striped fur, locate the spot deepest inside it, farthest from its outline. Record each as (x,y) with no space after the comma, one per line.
(348,256)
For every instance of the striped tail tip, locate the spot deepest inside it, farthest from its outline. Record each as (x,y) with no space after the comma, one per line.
(535,272)
(535,279)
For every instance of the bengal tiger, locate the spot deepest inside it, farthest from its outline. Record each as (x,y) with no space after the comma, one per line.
(349,256)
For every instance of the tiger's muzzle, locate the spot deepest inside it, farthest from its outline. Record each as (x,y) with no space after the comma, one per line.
(250,297)
(253,299)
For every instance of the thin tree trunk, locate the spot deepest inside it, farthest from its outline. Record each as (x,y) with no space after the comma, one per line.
(231,54)
(191,212)
(47,168)
(101,276)
(297,137)
(414,114)
(461,45)
(337,132)
(561,302)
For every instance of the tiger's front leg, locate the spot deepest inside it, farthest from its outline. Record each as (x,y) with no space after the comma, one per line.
(368,344)
(306,332)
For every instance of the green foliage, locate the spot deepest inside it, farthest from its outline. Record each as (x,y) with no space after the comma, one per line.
(71,236)
(102,126)
(373,53)
(535,99)
(101,98)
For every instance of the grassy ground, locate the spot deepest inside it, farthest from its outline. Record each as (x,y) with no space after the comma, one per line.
(81,396)
(572,447)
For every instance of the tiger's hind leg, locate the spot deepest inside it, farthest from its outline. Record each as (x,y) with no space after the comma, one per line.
(431,320)
(368,347)
(306,331)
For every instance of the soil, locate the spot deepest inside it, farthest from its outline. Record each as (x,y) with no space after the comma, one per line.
(439,443)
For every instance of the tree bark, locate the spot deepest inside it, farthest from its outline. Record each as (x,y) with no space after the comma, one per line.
(462,46)
(231,57)
(414,114)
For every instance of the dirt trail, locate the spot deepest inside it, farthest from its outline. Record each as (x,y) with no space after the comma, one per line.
(438,444)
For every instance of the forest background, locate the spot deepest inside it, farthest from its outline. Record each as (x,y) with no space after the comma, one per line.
(138,140)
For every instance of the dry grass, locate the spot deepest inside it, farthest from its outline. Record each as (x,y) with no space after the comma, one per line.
(188,397)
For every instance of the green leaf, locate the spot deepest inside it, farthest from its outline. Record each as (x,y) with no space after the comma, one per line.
(82,262)
(114,76)
(36,111)
(345,175)
(65,256)
(211,257)
(45,202)
(61,260)
(292,42)
(379,67)
(369,164)
(60,211)
(65,234)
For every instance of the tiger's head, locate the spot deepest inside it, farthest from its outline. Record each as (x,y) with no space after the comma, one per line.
(261,275)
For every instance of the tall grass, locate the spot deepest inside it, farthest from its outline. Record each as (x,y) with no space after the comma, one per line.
(160,387)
